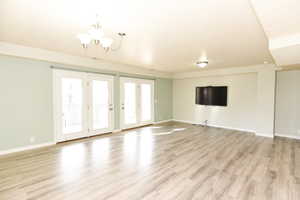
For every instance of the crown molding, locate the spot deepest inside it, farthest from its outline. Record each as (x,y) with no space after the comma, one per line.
(226,71)
(10,49)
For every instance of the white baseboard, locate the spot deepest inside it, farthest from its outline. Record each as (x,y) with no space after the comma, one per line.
(163,121)
(231,128)
(183,121)
(26,148)
(264,135)
(288,136)
(215,126)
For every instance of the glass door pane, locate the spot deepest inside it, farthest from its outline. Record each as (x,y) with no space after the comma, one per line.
(130,104)
(72,121)
(83,104)
(100,104)
(146,102)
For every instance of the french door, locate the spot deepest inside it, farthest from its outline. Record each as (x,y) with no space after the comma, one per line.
(83,104)
(137,102)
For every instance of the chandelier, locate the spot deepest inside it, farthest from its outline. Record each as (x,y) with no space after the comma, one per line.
(96,35)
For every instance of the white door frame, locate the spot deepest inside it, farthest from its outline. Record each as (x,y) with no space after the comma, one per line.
(110,80)
(57,115)
(138,83)
(122,81)
(58,74)
(151,82)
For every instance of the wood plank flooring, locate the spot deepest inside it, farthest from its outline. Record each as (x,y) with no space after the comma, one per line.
(167,161)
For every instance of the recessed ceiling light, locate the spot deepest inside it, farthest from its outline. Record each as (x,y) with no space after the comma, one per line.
(202,64)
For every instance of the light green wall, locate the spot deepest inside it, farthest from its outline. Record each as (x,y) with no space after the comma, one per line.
(164,96)
(26,100)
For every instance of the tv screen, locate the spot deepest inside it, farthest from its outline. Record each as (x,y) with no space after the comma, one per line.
(212,96)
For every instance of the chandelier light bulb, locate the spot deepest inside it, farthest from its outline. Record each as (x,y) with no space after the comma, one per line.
(85,39)
(106,42)
(96,35)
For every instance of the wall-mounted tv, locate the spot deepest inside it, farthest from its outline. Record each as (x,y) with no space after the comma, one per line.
(211,95)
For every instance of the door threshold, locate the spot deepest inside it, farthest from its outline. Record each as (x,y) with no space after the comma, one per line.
(128,129)
(84,138)
(104,134)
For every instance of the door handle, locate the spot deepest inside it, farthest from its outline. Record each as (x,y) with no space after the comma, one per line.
(111,109)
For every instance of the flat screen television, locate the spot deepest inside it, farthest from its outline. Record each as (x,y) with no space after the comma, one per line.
(211,95)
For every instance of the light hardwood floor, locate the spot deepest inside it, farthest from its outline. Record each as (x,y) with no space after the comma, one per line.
(167,161)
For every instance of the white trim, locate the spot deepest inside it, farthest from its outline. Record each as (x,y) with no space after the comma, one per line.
(215,126)
(231,128)
(163,121)
(14,150)
(62,58)
(288,136)
(58,75)
(264,135)
(225,71)
(21,51)
(137,82)
(110,81)
(54,104)
(87,79)
(183,121)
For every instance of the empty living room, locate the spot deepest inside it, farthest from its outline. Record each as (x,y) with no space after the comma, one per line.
(150,100)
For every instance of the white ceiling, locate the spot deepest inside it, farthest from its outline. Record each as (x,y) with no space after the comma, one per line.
(280,20)
(164,35)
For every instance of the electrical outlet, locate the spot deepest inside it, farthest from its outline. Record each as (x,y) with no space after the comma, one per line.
(32,139)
